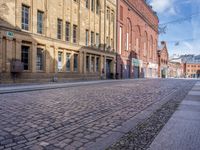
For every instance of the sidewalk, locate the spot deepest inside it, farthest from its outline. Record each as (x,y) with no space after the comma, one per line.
(182,132)
(34,87)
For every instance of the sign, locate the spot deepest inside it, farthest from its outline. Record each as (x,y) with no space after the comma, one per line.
(10,34)
(153,66)
(59,65)
(135,62)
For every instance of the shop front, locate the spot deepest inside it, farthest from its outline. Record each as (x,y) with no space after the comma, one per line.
(136,68)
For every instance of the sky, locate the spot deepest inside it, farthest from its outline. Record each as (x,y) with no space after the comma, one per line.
(182,37)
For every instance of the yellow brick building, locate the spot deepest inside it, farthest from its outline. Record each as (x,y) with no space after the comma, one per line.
(64,39)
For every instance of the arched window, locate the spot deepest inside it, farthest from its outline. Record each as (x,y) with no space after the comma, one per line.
(151,48)
(137,39)
(128,35)
(145,48)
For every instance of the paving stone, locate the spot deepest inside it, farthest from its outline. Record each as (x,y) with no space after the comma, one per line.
(7,141)
(81,113)
(76,144)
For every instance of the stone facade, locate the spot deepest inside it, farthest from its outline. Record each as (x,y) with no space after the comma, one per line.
(137,36)
(163,59)
(62,39)
(175,69)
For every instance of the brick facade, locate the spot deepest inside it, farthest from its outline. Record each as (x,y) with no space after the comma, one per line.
(137,36)
(163,59)
(60,56)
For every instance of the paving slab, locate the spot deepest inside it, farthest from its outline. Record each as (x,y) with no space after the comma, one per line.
(182,132)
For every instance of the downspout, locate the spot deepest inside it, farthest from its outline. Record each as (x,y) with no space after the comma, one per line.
(117,37)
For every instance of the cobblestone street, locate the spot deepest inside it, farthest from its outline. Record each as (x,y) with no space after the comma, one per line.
(79,117)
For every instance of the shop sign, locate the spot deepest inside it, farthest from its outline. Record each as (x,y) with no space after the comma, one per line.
(135,62)
(153,66)
(10,34)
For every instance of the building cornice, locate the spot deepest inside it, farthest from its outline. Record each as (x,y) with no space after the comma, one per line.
(138,12)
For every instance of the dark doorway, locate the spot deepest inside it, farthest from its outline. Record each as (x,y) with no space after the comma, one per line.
(108,69)
(126,74)
(136,71)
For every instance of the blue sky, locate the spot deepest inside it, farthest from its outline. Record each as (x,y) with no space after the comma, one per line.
(187,32)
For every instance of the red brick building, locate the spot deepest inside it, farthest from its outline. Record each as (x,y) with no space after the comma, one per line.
(137,36)
(163,58)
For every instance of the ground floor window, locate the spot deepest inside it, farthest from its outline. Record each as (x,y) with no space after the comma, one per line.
(25,57)
(97,64)
(40,59)
(68,58)
(60,61)
(87,63)
(92,64)
(75,62)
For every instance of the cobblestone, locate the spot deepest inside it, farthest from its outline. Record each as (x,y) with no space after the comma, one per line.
(80,115)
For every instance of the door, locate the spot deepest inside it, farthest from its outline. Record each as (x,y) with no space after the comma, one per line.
(126,71)
(135,72)
(108,69)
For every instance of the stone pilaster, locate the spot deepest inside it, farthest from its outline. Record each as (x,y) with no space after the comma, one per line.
(9,49)
(33,57)
(55,60)
(95,63)
(84,62)
(47,59)
(90,69)
(80,62)
(1,53)
(72,62)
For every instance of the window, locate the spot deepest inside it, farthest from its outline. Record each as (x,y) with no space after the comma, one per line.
(86,37)
(112,43)
(40,22)
(59,29)
(121,13)
(108,13)
(127,41)
(97,64)
(92,38)
(40,59)
(97,7)
(92,64)
(97,39)
(67,31)
(92,5)
(25,57)
(137,45)
(112,17)
(87,63)
(59,61)
(145,44)
(68,58)
(25,17)
(87,3)
(107,41)
(120,40)
(74,33)
(75,62)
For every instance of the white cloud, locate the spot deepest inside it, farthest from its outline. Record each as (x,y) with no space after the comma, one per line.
(164,6)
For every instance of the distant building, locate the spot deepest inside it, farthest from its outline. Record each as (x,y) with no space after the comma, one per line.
(163,58)
(175,69)
(190,65)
